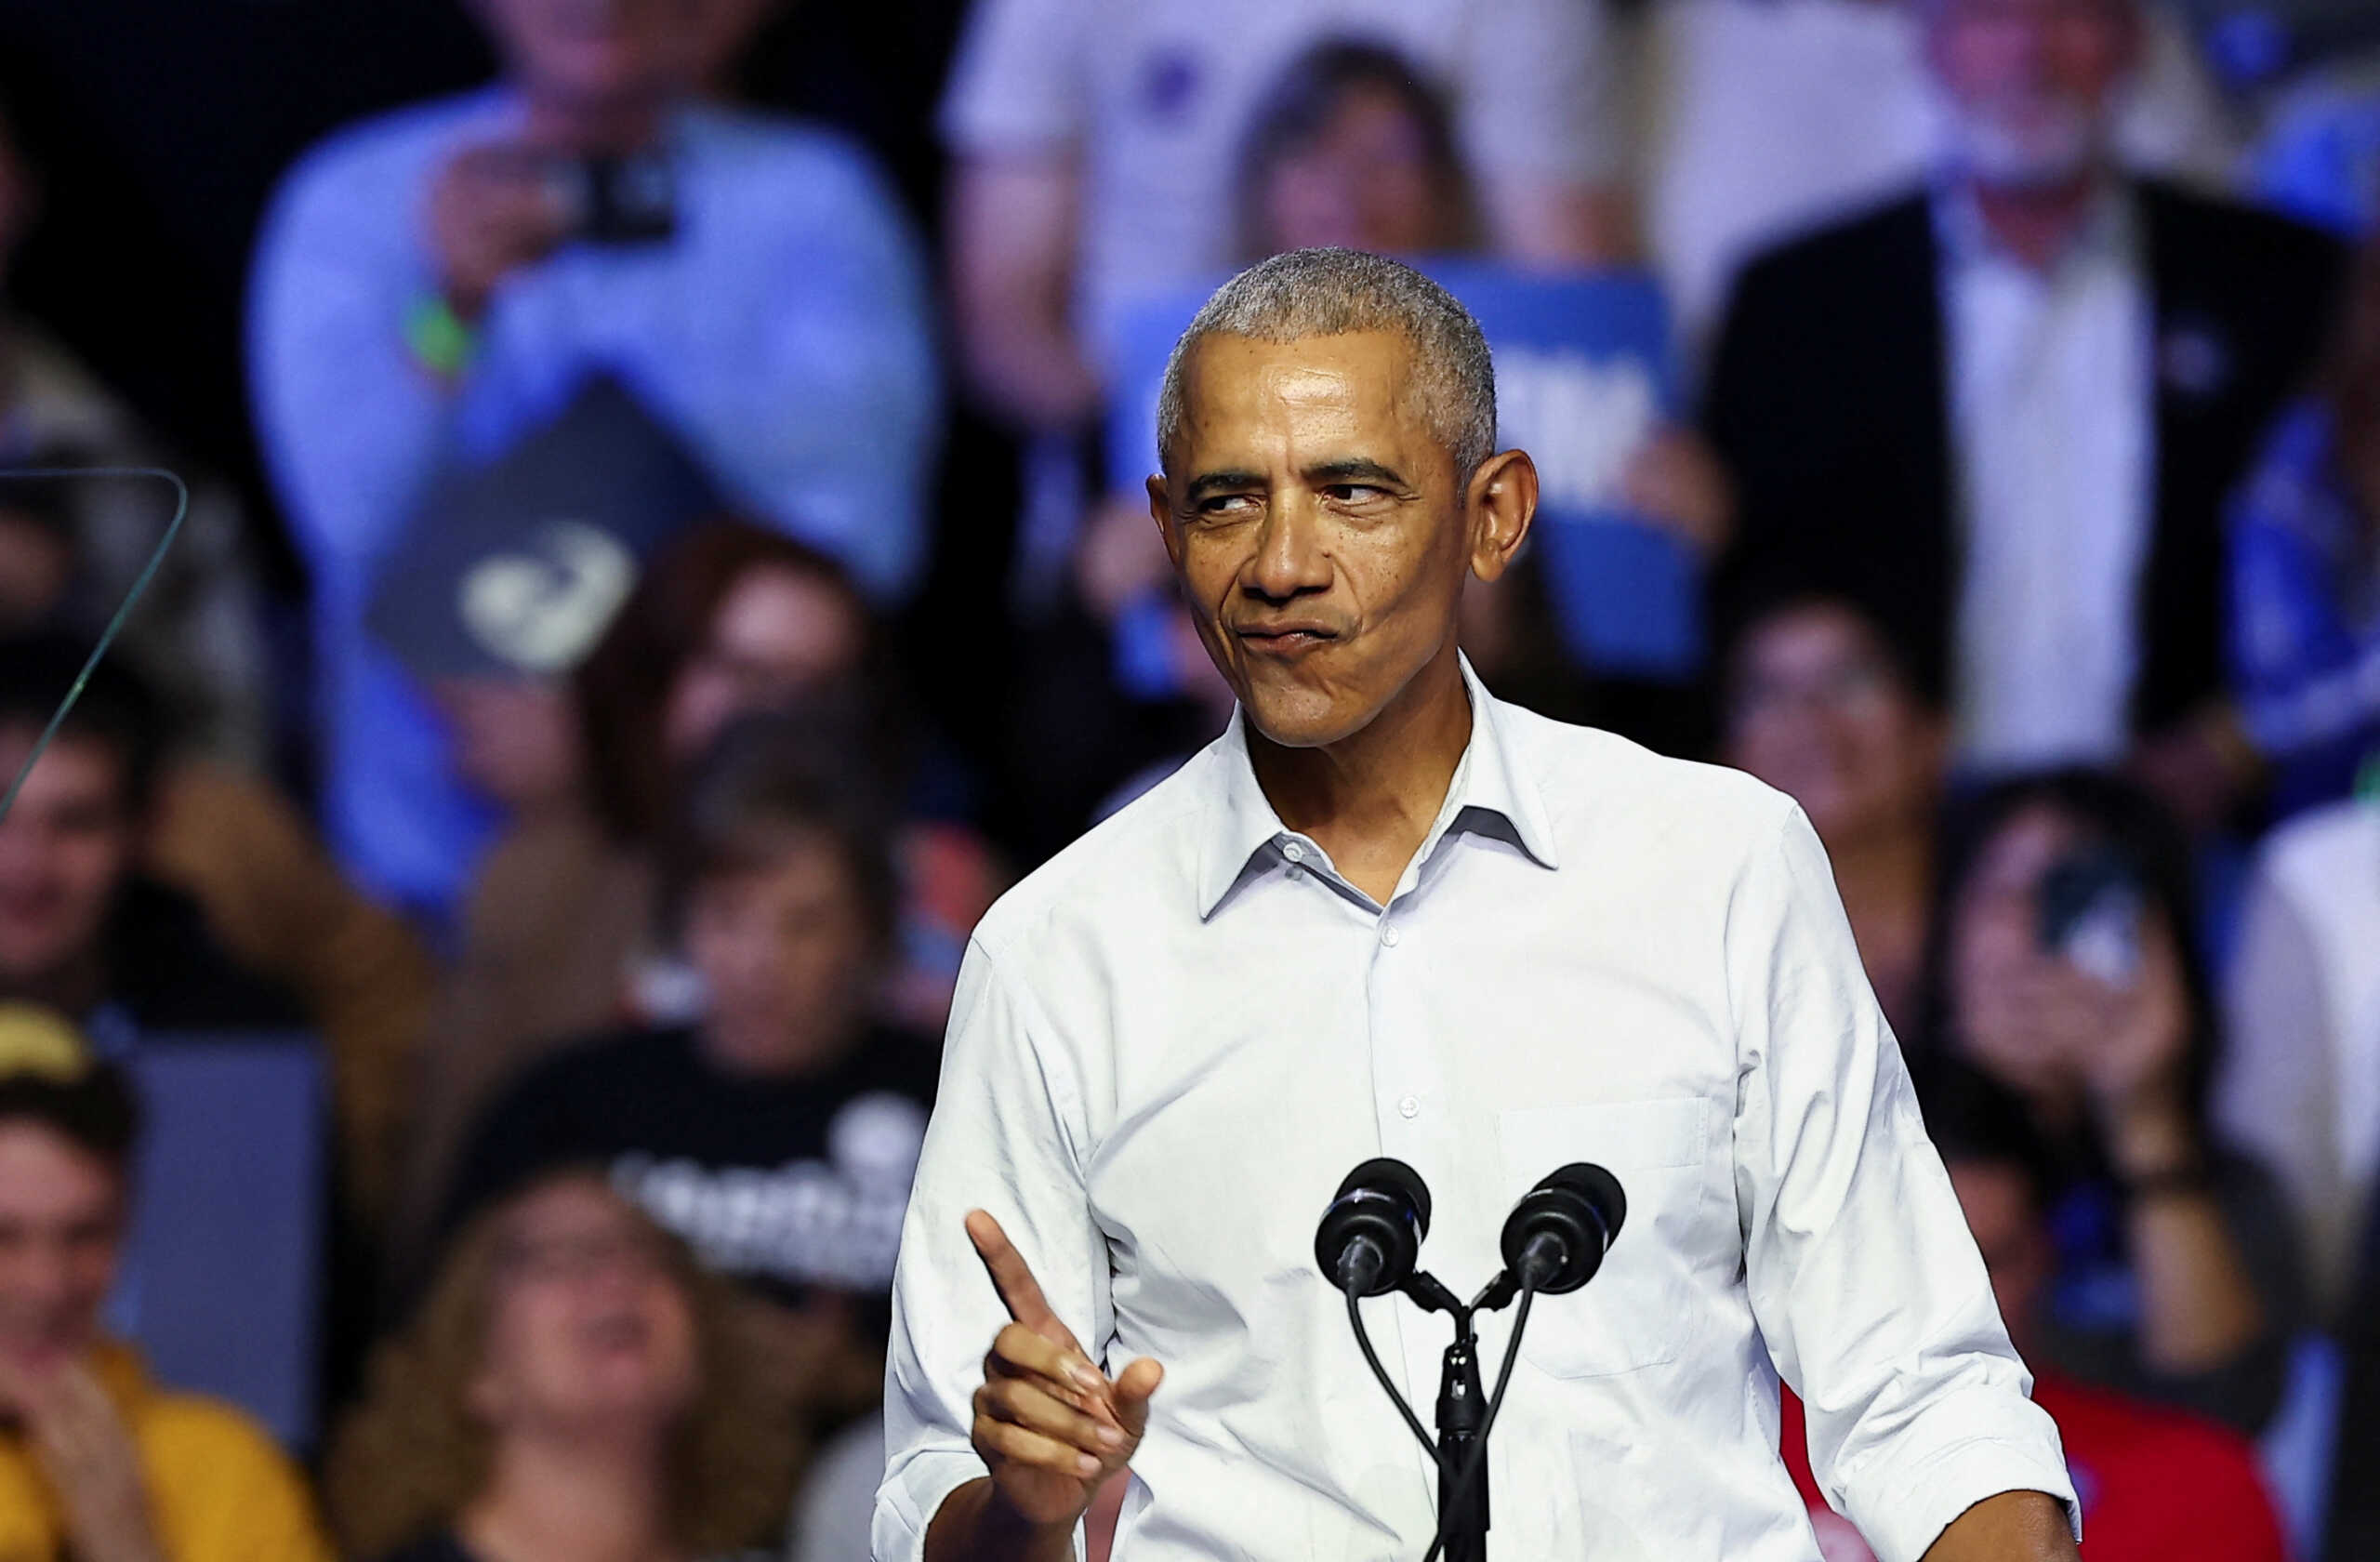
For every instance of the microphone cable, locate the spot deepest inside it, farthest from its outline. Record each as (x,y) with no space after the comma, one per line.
(115,625)
(1371,1359)
(1470,1472)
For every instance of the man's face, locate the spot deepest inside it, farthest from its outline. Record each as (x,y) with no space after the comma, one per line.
(64,849)
(1817,710)
(595,51)
(2031,84)
(786,955)
(62,1219)
(1319,528)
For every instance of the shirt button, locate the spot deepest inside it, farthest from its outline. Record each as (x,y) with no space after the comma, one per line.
(1408,1106)
(1294,851)
(1388,935)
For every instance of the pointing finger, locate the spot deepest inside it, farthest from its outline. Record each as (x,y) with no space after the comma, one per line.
(1020,1292)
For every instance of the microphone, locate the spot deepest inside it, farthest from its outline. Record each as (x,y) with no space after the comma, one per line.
(1554,1238)
(1371,1236)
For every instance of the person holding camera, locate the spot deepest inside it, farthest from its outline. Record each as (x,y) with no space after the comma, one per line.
(2063,971)
(435,283)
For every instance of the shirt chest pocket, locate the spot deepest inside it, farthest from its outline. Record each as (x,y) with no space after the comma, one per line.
(1632,1314)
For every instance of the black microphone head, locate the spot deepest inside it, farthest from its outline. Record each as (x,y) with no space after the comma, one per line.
(1371,1236)
(1388,1174)
(1598,1187)
(1556,1235)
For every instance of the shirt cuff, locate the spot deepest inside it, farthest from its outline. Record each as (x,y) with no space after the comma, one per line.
(1902,1505)
(913,1492)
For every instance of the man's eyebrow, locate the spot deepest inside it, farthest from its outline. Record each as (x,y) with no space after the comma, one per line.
(1354,469)
(1221,481)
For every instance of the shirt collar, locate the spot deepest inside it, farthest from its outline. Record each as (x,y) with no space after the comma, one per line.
(1240,822)
(2108,228)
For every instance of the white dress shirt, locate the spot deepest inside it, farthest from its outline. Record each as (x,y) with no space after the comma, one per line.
(1172,1042)
(2052,413)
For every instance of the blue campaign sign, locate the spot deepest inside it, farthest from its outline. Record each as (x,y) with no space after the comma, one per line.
(1584,373)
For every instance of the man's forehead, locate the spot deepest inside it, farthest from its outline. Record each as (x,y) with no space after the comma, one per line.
(1358,382)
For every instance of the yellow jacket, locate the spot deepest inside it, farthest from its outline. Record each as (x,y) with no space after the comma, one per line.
(218,1490)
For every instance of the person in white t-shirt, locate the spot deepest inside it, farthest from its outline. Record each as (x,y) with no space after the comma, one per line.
(1094,145)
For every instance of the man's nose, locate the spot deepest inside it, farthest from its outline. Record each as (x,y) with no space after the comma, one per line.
(1289,560)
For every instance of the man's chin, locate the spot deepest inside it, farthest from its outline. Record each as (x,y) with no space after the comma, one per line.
(1300,719)
(2044,156)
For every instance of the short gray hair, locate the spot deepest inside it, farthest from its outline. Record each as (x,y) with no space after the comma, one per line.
(1331,292)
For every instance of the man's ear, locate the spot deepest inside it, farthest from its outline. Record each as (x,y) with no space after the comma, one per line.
(1501,506)
(1161,512)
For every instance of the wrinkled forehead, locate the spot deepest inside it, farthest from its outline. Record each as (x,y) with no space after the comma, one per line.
(1242,394)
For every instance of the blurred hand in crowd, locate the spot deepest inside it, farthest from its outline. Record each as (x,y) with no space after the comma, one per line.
(2069,1040)
(89,1458)
(493,210)
(1676,480)
(61,1218)
(516,739)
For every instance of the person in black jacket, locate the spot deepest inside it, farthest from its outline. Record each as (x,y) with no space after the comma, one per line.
(2010,403)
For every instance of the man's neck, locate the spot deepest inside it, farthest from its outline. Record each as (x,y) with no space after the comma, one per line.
(612,127)
(1369,799)
(586,1498)
(2036,222)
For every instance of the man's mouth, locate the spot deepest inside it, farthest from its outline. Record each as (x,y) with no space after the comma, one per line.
(1280,640)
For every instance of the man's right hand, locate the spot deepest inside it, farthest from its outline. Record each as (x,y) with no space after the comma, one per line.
(492,211)
(1048,1425)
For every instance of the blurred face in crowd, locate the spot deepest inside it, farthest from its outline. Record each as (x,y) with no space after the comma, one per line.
(1998,1200)
(64,849)
(2024,1014)
(785,952)
(1319,528)
(36,565)
(1818,710)
(2031,84)
(778,633)
(61,1222)
(515,739)
(589,1328)
(1365,182)
(595,53)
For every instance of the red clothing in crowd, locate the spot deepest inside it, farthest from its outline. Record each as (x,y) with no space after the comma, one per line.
(2157,1486)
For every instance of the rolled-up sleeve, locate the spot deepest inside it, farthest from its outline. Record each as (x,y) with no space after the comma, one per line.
(1006,1137)
(1866,1284)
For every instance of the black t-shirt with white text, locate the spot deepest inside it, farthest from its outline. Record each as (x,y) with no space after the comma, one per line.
(785,1184)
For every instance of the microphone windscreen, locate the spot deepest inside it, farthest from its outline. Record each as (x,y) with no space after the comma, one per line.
(1598,1187)
(1387,1175)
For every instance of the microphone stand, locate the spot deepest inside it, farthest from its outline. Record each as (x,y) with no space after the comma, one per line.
(1462,1414)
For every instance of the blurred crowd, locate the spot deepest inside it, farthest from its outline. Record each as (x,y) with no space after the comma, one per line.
(472,960)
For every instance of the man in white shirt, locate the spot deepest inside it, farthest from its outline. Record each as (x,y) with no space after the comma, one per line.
(1386,914)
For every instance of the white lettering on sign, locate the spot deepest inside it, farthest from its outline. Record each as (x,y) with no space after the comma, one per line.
(1580,417)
